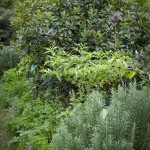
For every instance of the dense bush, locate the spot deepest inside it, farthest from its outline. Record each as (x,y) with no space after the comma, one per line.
(13,86)
(9,58)
(32,120)
(66,23)
(7,3)
(6,30)
(88,70)
(125,125)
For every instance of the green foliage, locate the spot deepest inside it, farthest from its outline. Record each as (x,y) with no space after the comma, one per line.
(13,86)
(125,125)
(71,46)
(6,30)
(67,23)
(8,58)
(35,122)
(4,136)
(32,120)
(6,3)
(88,70)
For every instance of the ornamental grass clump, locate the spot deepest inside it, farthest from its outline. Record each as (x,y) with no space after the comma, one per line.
(124,126)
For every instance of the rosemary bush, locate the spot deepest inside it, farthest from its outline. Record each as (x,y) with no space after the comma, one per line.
(8,58)
(124,126)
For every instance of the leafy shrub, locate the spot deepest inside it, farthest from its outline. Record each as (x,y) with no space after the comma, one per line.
(67,23)
(32,120)
(7,3)
(84,71)
(125,125)
(6,30)
(4,136)
(8,58)
(13,86)
(35,122)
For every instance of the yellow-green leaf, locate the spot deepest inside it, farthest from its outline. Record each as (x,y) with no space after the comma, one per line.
(131,74)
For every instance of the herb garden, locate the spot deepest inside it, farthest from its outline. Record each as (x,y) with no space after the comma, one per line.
(75,75)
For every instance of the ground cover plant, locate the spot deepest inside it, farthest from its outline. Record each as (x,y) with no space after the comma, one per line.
(32,121)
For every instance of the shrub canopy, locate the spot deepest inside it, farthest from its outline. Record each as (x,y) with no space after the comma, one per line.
(64,24)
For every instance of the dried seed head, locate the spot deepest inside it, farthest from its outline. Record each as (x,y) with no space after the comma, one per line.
(116,17)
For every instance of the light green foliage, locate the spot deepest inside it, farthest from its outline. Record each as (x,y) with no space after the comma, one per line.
(35,122)
(32,121)
(126,126)
(89,70)
(13,86)
(137,103)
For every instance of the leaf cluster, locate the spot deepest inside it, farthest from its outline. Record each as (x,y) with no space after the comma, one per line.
(89,70)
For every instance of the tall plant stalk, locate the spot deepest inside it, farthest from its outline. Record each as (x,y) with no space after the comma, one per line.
(115,38)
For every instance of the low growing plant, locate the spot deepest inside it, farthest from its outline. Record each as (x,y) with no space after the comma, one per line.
(32,120)
(125,125)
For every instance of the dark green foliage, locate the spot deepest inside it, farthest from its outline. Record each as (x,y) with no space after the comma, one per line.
(8,55)
(7,3)
(6,12)
(67,23)
(8,58)
(125,125)
(6,30)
